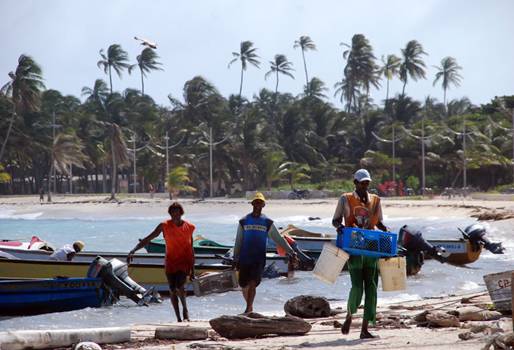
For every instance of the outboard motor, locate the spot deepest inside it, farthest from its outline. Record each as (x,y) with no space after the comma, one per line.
(114,274)
(476,235)
(414,246)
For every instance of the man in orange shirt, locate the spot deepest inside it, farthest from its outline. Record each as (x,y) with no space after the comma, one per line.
(180,256)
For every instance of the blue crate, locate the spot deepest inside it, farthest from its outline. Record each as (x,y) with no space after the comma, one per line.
(357,241)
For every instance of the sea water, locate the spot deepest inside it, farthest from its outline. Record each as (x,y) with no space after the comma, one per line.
(122,233)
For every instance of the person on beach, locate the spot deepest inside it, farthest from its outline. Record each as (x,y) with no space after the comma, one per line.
(41,194)
(360,209)
(250,248)
(67,252)
(179,258)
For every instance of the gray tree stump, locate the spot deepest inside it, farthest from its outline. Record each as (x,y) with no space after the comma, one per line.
(181,332)
(253,325)
(308,306)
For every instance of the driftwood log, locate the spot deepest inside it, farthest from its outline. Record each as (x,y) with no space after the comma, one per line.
(181,332)
(308,306)
(253,325)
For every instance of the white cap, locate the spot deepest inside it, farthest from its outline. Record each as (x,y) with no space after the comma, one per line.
(362,175)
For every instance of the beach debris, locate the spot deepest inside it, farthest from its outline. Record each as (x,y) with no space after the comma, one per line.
(466,336)
(181,332)
(492,214)
(214,346)
(474,313)
(251,325)
(442,319)
(500,341)
(308,306)
(335,324)
(87,345)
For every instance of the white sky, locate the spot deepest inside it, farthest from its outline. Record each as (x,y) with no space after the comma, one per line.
(197,37)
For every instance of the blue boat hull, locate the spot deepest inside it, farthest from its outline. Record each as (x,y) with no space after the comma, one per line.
(32,297)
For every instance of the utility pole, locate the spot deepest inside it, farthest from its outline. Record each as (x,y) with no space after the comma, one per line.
(167,156)
(464,160)
(53,142)
(71,178)
(423,156)
(394,157)
(134,183)
(513,149)
(210,162)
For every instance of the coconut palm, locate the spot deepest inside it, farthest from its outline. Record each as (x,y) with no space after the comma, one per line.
(24,89)
(448,73)
(305,43)
(390,69)
(348,91)
(280,66)
(177,180)
(246,55)
(315,88)
(294,172)
(119,154)
(272,161)
(412,65)
(116,58)
(98,94)
(147,62)
(66,150)
(361,70)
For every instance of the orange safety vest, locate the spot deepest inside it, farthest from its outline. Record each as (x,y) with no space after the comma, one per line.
(363,215)
(179,246)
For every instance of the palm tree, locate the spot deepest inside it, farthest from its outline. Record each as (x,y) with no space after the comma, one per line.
(98,94)
(412,65)
(24,89)
(280,66)
(360,71)
(305,43)
(66,150)
(389,70)
(448,73)
(246,55)
(119,155)
(315,88)
(177,180)
(272,161)
(348,91)
(146,61)
(294,172)
(116,58)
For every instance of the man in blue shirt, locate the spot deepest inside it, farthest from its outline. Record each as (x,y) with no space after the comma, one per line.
(250,248)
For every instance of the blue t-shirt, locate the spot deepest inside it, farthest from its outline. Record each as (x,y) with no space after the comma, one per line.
(255,239)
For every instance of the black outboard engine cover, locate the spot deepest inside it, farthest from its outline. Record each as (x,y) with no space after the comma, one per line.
(476,235)
(414,241)
(114,273)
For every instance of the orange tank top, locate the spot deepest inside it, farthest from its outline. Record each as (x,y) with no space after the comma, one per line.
(363,215)
(179,246)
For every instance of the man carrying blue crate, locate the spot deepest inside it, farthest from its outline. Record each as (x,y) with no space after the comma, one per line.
(360,209)
(250,248)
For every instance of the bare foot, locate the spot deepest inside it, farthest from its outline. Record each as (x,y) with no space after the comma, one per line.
(367,335)
(345,329)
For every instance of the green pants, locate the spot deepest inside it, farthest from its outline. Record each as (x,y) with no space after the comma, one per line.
(364,277)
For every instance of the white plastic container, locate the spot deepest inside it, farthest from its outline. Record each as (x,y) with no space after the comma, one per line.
(330,263)
(393,273)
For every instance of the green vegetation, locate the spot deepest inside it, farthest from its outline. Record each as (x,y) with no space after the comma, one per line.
(271,140)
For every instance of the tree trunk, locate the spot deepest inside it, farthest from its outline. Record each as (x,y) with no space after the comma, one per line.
(403,90)
(49,196)
(113,176)
(252,325)
(11,122)
(110,78)
(104,177)
(276,88)
(305,68)
(142,83)
(241,85)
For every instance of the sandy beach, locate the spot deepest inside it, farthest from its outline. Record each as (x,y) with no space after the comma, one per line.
(395,327)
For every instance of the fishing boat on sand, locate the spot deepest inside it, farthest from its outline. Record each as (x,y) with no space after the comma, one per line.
(32,297)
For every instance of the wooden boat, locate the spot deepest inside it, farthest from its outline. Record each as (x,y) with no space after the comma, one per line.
(499,286)
(148,258)
(200,246)
(148,275)
(460,251)
(31,297)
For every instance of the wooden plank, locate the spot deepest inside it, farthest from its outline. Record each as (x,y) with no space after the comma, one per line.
(512,300)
